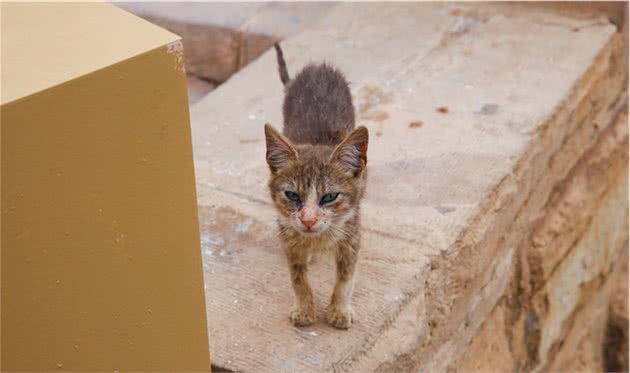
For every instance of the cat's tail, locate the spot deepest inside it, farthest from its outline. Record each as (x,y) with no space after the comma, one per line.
(282,66)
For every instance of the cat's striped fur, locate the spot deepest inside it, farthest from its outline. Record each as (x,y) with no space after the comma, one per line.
(319,156)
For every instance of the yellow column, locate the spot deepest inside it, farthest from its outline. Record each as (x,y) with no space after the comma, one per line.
(101,265)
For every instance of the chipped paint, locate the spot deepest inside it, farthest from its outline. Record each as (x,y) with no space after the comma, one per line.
(176,49)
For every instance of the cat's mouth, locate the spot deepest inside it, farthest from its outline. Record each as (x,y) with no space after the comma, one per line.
(311,232)
(307,231)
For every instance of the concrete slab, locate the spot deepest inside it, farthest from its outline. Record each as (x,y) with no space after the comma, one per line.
(499,77)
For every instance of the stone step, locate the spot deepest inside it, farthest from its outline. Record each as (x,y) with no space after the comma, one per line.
(221,38)
(468,107)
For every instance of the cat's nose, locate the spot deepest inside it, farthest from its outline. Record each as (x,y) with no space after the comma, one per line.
(309,216)
(308,222)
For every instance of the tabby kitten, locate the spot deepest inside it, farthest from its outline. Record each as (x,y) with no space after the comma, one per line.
(317,181)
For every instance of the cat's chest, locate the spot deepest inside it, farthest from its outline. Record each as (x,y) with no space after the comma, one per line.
(316,245)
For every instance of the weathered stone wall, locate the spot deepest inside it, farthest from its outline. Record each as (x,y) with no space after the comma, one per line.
(616,339)
(558,323)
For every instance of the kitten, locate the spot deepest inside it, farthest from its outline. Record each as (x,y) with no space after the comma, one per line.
(318,177)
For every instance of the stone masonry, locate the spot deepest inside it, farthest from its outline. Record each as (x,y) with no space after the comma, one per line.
(496,221)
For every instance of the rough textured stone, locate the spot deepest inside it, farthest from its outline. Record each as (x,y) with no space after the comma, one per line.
(489,351)
(579,276)
(548,325)
(616,343)
(449,204)
(580,347)
(221,38)
(565,215)
(531,312)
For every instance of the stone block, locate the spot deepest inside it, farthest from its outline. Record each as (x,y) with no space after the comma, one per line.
(490,349)
(440,240)
(221,38)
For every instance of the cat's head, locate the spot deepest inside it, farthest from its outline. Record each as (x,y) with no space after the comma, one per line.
(315,188)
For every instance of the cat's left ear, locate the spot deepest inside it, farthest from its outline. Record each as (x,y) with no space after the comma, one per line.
(351,154)
(279,152)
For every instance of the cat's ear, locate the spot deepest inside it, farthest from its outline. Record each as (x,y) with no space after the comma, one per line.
(351,154)
(279,152)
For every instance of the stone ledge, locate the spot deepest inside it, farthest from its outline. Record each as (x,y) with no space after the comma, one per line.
(215,53)
(221,38)
(448,202)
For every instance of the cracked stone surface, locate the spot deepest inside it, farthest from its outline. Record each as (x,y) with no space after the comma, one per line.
(449,201)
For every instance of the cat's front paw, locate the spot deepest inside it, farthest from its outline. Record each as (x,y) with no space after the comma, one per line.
(303,315)
(339,317)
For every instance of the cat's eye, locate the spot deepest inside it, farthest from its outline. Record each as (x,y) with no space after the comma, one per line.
(292,196)
(327,198)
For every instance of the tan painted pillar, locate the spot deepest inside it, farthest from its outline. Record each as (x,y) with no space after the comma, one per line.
(101,265)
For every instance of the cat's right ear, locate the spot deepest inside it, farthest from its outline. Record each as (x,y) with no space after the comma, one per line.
(279,152)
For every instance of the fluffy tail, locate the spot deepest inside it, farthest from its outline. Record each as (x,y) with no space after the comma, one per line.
(282,66)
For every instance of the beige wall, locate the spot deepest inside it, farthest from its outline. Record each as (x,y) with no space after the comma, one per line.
(101,266)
